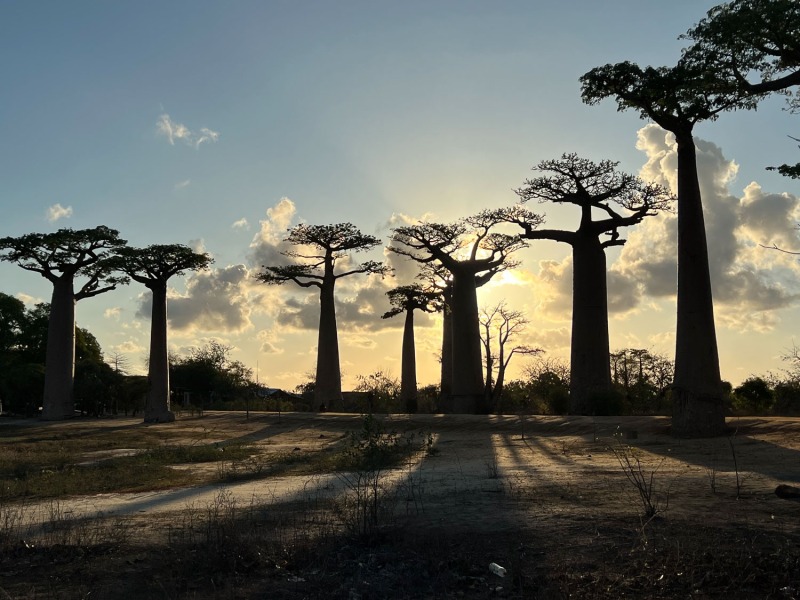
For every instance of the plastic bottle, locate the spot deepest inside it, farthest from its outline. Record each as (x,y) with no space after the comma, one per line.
(497,569)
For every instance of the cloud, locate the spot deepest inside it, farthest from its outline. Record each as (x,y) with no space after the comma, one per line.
(267,245)
(56,212)
(112,313)
(219,300)
(28,300)
(746,280)
(240,224)
(173,131)
(129,347)
(183,184)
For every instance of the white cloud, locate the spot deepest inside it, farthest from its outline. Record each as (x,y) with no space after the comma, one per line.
(218,300)
(112,313)
(746,280)
(240,224)
(129,346)
(267,245)
(56,212)
(183,184)
(29,301)
(173,131)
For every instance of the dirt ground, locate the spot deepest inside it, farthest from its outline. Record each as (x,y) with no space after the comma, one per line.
(547,498)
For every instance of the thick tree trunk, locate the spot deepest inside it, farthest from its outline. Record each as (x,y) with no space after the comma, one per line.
(59,372)
(697,409)
(497,390)
(468,389)
(446,380)
(156,409)
(590,371)
(408,375)
(328,387)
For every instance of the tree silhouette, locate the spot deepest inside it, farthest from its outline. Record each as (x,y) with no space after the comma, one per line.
(751,47)
(622,200)
(500,325)
(469,249)
(314,265)
(677,98)
(61,257)
(406,299)
(153,267)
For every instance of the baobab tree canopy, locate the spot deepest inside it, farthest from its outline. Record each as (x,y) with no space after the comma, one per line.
(67,254)
(61,257)
(676,98)
(313,264)
(587,184)
(751,47)
(158,263)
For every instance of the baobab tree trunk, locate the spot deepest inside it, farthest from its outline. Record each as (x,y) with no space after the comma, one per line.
(408,375)
(446,380)
(468,389)
(59,372)
(156,409)
(697,409)
(590,371)
(328,386)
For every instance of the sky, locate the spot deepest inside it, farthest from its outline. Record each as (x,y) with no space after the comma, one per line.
(221,124)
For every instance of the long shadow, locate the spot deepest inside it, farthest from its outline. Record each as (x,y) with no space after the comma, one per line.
(743,448)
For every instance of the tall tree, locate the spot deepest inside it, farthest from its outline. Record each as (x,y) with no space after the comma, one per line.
(469,249)
(438,280)
(321,247)
(61,258)
(153,267)
(500,326)
(621,200)
(406,299)
(751,47)
(677,98)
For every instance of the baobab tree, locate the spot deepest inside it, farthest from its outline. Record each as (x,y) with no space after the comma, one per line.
(153,267)
(621,200)
(751,48)
(321,247)
(61,258)
(468,249)
(677,98)
(406,299)
(500,325)
(438,280)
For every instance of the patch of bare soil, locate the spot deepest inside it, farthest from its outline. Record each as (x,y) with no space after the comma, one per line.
(572,507)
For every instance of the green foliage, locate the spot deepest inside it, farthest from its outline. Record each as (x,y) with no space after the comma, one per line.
(209,375)
(754,396)
(382,390)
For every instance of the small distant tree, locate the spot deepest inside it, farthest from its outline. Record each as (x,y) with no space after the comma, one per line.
(621,200)
(153,267)
(61,258)
(210,375)
(382,389)
(548,384)
(406,299)
(499,327)
(314,264)
(643,377)
(469,249)
(754,396)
